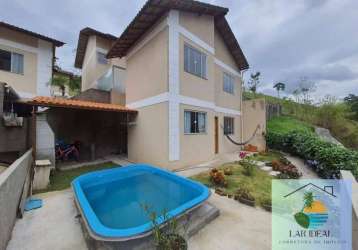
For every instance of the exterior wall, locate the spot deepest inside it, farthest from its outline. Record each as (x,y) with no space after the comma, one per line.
(26,82)
(225,146)
(222,98)
(254,113)
(147,69)
(45,140)
(92,70)
(195,148)
(192,85)
(222,53)
(38,58)
(148,139)
(89,63)
(14,186)
(155,74)
(200,25)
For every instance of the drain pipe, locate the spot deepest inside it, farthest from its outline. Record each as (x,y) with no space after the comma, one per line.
(241,103)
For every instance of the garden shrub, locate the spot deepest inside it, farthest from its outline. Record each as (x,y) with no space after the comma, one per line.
(330,157)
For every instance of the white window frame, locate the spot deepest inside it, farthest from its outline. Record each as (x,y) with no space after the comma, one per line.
(196,122)
(228,79)
(11,62)
(190,53)
(229,129)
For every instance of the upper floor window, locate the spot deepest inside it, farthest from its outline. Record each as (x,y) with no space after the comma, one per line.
(229,83)
(194,61)
(12,62)
(229,125)
(194,122)
(101,58)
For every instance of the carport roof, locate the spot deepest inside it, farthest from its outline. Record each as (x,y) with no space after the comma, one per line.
(56,102)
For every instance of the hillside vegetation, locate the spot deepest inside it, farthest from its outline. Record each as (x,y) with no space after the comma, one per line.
(296,137)
(335,116)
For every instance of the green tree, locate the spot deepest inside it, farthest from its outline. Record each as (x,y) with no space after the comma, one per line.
(279,87)
(254,82)
(72,82)
(60,82)
(352,101)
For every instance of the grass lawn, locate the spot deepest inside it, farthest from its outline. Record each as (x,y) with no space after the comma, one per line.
(284,124)
(60,180)
(259,184)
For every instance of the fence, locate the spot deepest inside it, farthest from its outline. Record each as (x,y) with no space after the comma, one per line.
(14,186)
(273,110)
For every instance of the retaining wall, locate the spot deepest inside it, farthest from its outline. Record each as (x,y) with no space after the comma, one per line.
(14,186)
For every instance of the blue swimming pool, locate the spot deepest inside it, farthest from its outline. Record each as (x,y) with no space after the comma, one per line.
(111,201)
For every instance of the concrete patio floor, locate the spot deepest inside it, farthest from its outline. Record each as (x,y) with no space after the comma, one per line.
(55,226)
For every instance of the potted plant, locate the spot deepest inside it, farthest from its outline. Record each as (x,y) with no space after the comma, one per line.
(217,177)
(267,204)
(220,191)
(244,196)
(168,236)
(249,168)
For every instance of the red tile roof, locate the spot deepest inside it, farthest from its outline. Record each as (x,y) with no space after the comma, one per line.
(76,104)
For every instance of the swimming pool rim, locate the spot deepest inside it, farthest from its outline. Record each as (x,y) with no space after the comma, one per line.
(101,232)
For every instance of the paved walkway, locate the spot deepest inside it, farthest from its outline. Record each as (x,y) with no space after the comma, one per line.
(307,173)
(52,227)
(55,227)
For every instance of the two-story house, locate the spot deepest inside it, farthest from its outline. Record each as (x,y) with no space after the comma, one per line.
(180,67)
(26,60)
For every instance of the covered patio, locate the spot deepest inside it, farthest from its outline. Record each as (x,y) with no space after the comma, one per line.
(100,129)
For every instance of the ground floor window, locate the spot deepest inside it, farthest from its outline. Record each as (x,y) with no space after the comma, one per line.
(194,122)
(229,125)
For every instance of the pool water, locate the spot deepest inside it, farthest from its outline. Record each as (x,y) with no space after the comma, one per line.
(112,202)
(120,203)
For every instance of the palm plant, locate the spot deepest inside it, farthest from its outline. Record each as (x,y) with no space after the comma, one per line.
(279,87)
(308,200)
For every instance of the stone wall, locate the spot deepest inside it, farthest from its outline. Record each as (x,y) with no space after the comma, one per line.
(347,175)
(14,186)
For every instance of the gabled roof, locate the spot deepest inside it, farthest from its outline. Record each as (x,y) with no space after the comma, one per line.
(31,33)
(83,40)
(153,10)
(44,101)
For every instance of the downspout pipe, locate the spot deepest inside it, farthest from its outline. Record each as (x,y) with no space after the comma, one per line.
(241,103)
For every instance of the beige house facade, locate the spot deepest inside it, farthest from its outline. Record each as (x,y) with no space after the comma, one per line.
(185,80)
(26,60)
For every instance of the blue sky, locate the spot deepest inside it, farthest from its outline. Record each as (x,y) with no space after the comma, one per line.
(284,40)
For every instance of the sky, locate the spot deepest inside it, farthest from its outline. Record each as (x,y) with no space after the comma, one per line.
(284,40)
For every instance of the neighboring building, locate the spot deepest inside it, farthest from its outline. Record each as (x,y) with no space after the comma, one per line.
(26,60)
(98,72)
(181,69)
